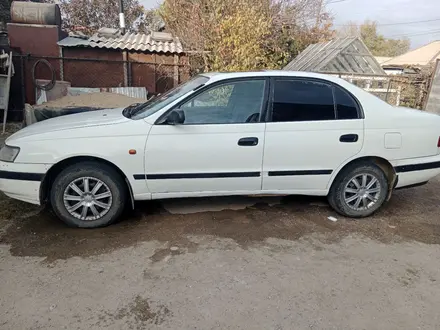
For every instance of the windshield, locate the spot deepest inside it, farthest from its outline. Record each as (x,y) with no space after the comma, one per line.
(159,102)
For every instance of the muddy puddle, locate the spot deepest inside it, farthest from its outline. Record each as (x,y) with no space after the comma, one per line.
(411,215)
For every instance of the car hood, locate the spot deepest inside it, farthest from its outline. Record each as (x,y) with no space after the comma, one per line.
(68,122)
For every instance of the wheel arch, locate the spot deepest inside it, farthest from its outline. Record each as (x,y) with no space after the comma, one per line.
(52,173)
(381,162)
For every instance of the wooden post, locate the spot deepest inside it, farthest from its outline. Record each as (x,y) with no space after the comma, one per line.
(368,85)
(6,95)
(61,64)
(430,83)
(399,92)
(176,70)
(125,64)
(388,90)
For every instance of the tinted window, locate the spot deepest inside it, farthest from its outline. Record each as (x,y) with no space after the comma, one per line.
(296,100)
(346,106)
(231,103)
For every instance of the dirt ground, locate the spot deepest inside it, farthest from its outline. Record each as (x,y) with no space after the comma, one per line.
(271,264)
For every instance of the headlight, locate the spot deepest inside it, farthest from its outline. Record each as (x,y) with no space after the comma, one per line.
(8,154)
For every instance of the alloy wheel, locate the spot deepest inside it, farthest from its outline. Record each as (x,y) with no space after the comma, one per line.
(87,198)
(362,192)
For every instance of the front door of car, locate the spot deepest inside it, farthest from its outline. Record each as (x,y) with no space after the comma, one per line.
(217,149)
(313,127)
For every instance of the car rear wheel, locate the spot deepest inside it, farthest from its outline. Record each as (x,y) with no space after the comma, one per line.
(88,195)
(359,190)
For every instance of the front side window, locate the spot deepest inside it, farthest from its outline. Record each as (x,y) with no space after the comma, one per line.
(161,101)
(297,100)
(230,103)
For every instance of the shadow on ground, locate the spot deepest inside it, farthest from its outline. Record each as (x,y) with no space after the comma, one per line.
(412,214)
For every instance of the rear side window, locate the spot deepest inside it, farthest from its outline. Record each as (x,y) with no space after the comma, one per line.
(346,106)
(296,100)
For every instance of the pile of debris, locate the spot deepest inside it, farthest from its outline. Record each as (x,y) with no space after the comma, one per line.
(79,103)
(102,100)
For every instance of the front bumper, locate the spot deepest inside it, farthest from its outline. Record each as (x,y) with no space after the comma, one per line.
(22,181)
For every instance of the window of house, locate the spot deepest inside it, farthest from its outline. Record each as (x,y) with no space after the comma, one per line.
(296,100)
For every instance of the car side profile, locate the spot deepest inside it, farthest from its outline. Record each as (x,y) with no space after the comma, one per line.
(272,132)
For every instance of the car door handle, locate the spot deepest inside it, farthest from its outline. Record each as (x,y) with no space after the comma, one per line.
(349,138)
(248,142)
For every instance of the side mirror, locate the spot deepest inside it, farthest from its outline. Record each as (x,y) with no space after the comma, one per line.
(175,117)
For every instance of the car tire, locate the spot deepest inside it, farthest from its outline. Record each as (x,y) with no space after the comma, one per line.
(98,208)
(352,201)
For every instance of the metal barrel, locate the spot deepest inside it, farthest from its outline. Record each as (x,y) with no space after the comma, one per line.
(35,13)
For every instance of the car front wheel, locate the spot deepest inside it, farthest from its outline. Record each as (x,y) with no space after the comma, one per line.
(359,190)
(88,195)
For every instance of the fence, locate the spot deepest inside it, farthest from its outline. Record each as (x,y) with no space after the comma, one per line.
(99,73)
(404,90)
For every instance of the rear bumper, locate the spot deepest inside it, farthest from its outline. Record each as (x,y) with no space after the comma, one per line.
(22,181)
(417,171)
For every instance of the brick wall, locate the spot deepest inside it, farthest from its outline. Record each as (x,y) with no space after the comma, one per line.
(103,73)
(35,40)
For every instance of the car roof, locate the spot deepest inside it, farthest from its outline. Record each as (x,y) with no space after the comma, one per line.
(217,76)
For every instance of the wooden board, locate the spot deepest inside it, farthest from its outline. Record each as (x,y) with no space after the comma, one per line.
(5,84)
(433,103)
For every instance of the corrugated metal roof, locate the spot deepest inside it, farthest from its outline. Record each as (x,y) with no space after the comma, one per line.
(421,56)
(160,43)
(345,55)
(382,59)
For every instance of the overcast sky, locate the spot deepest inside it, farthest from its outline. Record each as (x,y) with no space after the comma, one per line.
(384,12)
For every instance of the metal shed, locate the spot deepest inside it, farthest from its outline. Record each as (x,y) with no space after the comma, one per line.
(343,55)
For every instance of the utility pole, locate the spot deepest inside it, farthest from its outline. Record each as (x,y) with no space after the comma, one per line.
(318,16)
(121,16)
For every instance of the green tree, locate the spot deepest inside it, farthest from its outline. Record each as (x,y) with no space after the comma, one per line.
(237,35)
(378,44)
(91,15)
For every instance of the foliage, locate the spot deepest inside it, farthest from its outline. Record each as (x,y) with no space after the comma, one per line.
(235,35)
(376,42)
(91,15)
(5,8)
(239,41)
(152,20)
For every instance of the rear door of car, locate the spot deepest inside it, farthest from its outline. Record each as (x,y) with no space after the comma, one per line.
(313,126)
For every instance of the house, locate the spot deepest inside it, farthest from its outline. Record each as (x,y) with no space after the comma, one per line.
(412,61)
(382,59)
(108,59)
(420,57)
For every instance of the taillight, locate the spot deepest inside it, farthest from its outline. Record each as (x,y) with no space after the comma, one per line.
(438,142)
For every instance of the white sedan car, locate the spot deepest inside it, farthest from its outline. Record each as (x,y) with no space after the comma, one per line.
(225,134)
